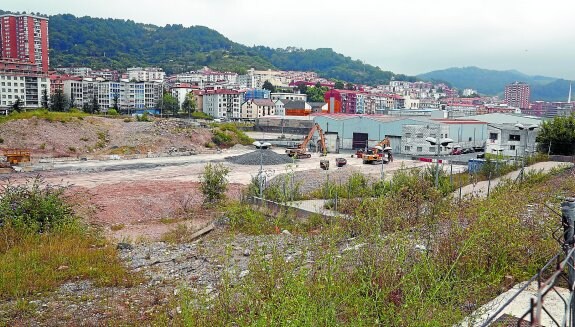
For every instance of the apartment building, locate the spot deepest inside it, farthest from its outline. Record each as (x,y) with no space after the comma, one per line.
(147,74)
(24,38)
(28,88)
(517,95)
(256,108)
(222,104)
(130,95)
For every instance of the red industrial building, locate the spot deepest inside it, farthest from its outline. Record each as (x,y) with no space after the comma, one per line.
(24,38)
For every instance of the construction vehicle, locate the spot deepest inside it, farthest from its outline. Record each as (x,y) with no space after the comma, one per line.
(300,151)
(379,153)
(16,156)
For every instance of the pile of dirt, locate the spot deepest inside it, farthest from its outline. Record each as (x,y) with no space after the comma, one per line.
(264,157)
(93,136)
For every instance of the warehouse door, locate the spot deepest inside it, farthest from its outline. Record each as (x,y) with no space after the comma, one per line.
(359,141)
(395,142)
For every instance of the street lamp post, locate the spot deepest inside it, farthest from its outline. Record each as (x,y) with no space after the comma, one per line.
(526,129)
(439,144)
(261,146)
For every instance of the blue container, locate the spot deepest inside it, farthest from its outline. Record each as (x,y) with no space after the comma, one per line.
(475,165)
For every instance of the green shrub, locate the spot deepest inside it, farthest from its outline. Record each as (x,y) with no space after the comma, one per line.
(214,182)
(34,206)
(113,112)
(201,115)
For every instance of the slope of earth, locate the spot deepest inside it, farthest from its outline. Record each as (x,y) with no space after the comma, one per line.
(92,136)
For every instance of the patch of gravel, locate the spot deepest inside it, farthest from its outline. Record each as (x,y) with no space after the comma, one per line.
(311,180)
(265,157)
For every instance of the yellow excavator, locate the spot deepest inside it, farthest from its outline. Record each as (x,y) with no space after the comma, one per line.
(300,151)
(377,153)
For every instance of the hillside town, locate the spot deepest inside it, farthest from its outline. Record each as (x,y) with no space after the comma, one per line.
(206,198)
(272,99)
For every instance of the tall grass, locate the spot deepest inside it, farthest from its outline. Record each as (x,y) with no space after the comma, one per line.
(426,266)
(51,116)
(42,243)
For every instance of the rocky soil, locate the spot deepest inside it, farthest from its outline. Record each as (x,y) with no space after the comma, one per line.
(93,136)
(164,269)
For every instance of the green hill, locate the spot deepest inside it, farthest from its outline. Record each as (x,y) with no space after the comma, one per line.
(492,82)
(118,44)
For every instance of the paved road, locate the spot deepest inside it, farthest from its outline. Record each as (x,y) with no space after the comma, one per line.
(480,189)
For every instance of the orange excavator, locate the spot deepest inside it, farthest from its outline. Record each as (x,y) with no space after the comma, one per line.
(377,153)
(300,151)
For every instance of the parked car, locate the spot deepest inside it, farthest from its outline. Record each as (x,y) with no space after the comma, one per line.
(481,155)
(467,150)
(455,151)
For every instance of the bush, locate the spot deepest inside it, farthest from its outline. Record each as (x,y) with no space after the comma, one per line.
(213,182)
(201,115)
(113,112)
(34,206)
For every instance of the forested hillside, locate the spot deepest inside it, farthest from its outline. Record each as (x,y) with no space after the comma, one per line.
(118,44)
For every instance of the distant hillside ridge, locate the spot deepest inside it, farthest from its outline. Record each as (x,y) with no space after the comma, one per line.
(119,44)
(492,82)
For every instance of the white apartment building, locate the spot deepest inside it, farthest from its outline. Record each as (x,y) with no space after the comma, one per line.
(288,96)
(147,74)
(130,95)
(279,104)
(180,91)
(222,104)
(27,88)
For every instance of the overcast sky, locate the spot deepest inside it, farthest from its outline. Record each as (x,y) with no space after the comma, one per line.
(409,36)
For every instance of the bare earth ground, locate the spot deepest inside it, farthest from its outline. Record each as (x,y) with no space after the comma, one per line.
(138,201)
(92,136)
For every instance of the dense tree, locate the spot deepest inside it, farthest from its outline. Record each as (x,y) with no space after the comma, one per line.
(350,86)
(45,99)
(269,86)
(58,101)
(72,100)
(557,136)
(316,93)
(169,105)
(339,85)
(17,105)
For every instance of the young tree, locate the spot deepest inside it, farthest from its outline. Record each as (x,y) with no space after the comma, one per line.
(72,100)
(214,182)
(169,104)
(94,107)
(269,86)
(58,101)
(116,100)
(189,104)
(45,99)
(557,136)
(17,105)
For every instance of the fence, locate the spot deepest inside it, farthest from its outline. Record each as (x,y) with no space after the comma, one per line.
(558,269)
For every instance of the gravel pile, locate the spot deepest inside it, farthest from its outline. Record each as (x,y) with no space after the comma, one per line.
(268,157)
(311,180)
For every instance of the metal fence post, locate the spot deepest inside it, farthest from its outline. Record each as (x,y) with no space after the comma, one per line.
(568,217)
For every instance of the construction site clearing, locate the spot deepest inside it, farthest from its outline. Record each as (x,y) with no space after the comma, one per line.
(141,194)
